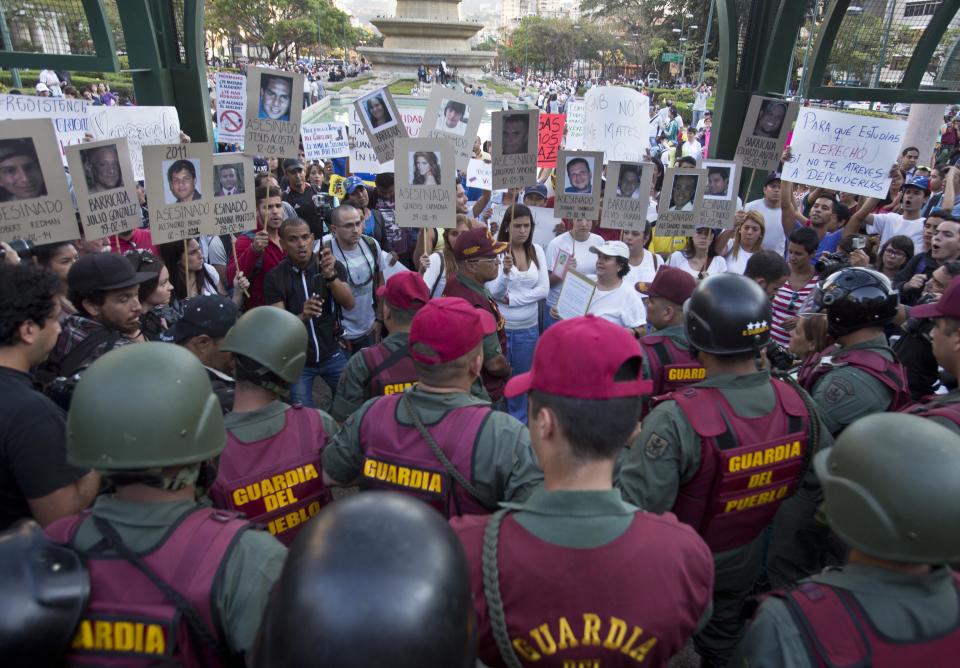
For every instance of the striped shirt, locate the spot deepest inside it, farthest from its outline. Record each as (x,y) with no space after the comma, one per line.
(786,304)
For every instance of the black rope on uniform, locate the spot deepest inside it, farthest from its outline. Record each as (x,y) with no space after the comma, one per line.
(491,590)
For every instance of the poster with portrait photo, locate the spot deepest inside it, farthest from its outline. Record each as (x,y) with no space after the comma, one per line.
(426,188)
(274,105)
(457,117)
(578,184)
(180,190)
(234,197)
(514,157)
(381,119)
(105,187)
(34,201)
(627,195)
(720,194)
(764,134)
(681,201)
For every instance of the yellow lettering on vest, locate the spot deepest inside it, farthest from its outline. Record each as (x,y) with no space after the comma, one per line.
(765,457)
(138,634)
(618,629)
(155,643)
(525,650)
(279,482)
(758,479)
(103,636)
(626,649)
(567,638)
(753,500)
(266,487)
(123,636)
(435,484)
(641,652)
(369,468)
(291,478)
(310,472)
(392,474)
(591,629)
(416,478)
(84,636)
(395,388)
(544,639)
(687,374)
(240,497)
(403,478)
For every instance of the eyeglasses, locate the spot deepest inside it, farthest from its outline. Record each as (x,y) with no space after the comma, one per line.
(893,251)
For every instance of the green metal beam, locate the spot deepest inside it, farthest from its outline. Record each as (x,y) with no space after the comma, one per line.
(104,60)
(731,105)
(785,30)
(190,77)
(824,44)
(923,52)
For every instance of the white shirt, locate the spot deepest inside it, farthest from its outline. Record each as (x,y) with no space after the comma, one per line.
(586,261)
(736,265)
(717,265)
(525,290)
(645,271)
(891,224)
(436,275)
(622,306)
(692,148)
(773,237)
(360,264)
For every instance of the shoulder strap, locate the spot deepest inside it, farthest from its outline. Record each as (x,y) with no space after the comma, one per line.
(441,457)
(433,288)
(830,629)
(813,419)
(491,590)
(372,246)
(702,410)
(73,360)
(388,361)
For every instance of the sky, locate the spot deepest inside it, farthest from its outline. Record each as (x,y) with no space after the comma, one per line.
(488,10)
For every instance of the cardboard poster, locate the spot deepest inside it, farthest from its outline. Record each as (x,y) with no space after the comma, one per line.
(576,110)
(576,295)
(479,175)
(234,198)
(272,117)
(549,138)
(105,188)
(455,116)
(720,195)
(362,156)
(231,90)
(142,126)
(625,206)
(617,122)
(180,190)
(681,201)
(844,152)
(381,119)
(426,188)
(578,184)
(764,134)
(34,200)
(69,117)
(515,148)
(322,141)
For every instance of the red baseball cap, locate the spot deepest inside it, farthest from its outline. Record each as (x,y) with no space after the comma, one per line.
(477,242)
(405,291)
(948,306)
(578,358)
(449,327)
(670,283)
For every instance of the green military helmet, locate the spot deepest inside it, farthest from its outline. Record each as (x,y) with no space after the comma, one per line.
(273,338)
(144,406)
(891,490)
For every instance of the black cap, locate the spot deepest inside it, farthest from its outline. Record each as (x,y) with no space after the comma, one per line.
(772,176)
(291,163)
(105,271)
(212,315)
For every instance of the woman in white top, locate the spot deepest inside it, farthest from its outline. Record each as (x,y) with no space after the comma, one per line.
(575,246)
(740,243)
(522,283)
(643,263)
(440,265)
(699,259)
(615,299)
(199,278)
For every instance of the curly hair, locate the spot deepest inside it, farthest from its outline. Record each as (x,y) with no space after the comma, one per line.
(27,292)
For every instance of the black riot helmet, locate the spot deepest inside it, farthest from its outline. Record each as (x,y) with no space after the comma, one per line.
(44,590)
(727,314)
(378,579)
(854,298)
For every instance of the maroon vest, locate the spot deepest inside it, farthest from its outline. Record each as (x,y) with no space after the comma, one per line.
(277,481)
(838,632)
(949,410)
(568,607)
(396,458)
(746,469)
(129,620)
(455,288)
(889,372)
(671,367)
(390,372)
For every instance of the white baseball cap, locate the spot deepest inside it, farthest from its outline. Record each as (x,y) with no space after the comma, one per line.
(613,249)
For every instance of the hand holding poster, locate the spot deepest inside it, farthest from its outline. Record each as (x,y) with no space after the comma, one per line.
(322,141)
(234,202)
(550,137)
(681,201)
(617,122)
(720,195)
(34,200)
(426,189)
(69,117)
(105,188)
(765,129)
(844,151)
(142,126)
(272,122)
(515,148)
(180,189)
(455,116)
(231,106)
(381,119)
(578,184)
(625,207)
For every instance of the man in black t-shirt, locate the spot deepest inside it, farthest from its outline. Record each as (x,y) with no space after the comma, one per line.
(314,288)
(35,479)
(306,200)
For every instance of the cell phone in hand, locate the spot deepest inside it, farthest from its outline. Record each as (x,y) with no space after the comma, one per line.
(318,286)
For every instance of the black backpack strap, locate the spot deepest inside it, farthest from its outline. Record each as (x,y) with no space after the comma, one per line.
(389,361)
(443,268)
(71,363)
(491,590)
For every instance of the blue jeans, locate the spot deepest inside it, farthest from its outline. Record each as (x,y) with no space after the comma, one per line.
(520,345)
(330,370)
(547,319)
